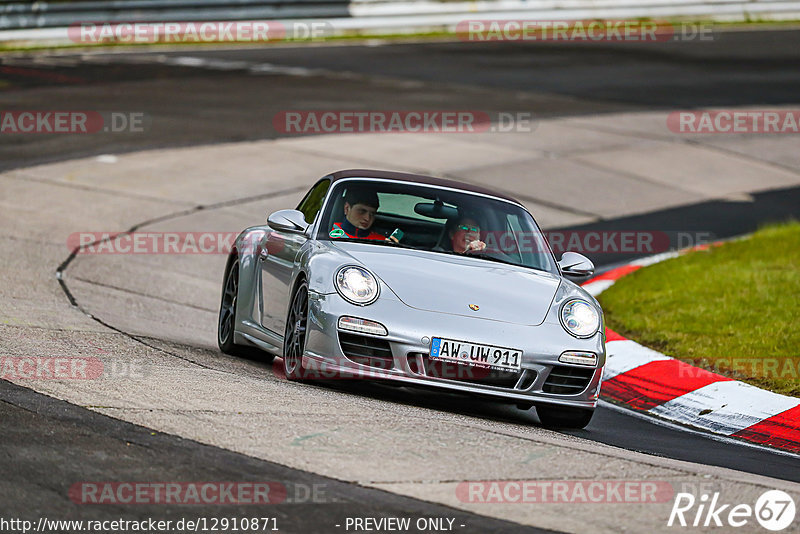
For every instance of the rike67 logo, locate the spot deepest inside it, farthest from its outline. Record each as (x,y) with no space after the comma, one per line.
(774,510)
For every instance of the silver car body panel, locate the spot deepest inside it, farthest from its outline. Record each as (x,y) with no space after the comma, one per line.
(423,294)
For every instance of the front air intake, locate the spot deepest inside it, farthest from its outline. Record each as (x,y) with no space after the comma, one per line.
(366,350)
(564,380)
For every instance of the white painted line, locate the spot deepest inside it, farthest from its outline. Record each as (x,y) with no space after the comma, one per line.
(271,68)
(626,355)
(595,288)
(733,406)
(655,258)
(184,61)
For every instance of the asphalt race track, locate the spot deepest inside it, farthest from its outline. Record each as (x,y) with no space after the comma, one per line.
(229,103)
(189,413)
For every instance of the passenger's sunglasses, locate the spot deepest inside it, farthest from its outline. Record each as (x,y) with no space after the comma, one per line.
(466,228)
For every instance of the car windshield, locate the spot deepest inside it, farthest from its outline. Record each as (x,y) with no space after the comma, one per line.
(433,219)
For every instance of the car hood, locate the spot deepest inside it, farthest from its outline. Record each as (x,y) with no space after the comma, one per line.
(450,284)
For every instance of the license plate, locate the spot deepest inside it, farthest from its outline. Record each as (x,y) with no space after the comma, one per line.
(473,354)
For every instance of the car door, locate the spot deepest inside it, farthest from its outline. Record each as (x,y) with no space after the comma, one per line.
(278,253)
(277,257)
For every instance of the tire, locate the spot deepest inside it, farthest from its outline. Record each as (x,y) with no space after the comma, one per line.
(226,323)
(294,339)
(562,417)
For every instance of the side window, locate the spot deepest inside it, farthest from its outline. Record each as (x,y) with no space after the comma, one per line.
(311,205)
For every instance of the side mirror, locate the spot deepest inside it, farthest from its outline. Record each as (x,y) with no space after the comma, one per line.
(575,264)
(290,221)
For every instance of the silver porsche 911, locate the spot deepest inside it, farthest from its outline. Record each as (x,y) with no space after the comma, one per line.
(422,281)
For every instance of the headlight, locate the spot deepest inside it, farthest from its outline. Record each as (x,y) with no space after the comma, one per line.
(357,285)
(579,318)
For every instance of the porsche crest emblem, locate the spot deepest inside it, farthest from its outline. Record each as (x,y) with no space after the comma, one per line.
(474,307)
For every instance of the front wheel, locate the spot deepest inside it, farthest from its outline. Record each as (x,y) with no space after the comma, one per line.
(563,417)
(294,340)
(226,325)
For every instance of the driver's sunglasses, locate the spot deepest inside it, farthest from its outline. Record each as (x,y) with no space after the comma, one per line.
(466,228)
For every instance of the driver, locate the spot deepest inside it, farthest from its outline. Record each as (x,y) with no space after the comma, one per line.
(465,234)
(360,206)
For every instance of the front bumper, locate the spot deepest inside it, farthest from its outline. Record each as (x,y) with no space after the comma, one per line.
(408,363)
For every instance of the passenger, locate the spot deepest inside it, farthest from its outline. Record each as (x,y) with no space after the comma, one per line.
(360,206)
(465,234)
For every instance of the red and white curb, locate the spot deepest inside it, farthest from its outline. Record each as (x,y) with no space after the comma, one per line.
(647,381)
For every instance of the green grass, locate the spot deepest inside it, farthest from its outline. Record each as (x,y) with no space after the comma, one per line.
(732,309)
